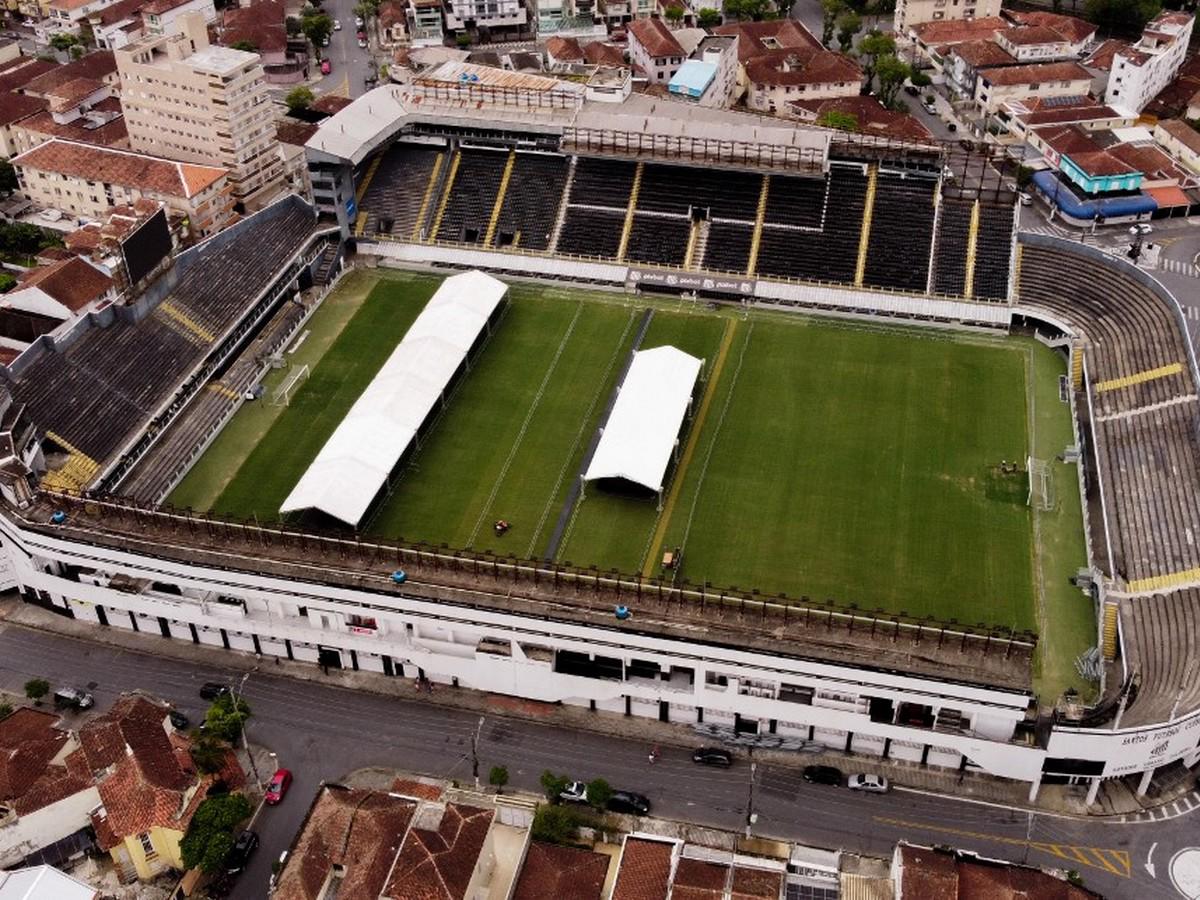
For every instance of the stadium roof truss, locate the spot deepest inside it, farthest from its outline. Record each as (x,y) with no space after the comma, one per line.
(642,432)
(361,454)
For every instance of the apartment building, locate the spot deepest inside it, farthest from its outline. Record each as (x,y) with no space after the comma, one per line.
(502,14)
(996,86)
(1139,72)
(85,181)
(654,48)
(709,76)
(914,12)
(191,101)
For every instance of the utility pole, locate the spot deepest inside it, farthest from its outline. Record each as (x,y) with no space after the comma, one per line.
(237,697)
(475,752)
(751,815)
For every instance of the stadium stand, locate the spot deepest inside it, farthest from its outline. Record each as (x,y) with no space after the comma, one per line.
(602,182)
(526,219)
(92,393)
(658,240)
(728,247)
(950,246)
(993,251)
(1145,429)
(1167,682)
(591,232)
(678,189)
(393,197)
(467,207)
(796,202)
(901,232)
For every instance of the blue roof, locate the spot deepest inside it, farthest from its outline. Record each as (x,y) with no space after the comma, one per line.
(1058,193)
(693,78)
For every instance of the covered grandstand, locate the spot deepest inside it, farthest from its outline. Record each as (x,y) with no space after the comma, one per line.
(360,456)
(641,438)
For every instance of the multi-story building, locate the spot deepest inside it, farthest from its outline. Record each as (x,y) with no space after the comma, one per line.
(996,86)
(776,79)
(187,100)
(425,27)
(914,12)
(1077,34)
(492,14)
(655,49)
(709,76)
(163,16)
(1139,72)
(85,181)
(68,15)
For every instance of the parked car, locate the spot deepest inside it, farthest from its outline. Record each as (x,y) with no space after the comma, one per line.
(277,789)
(326,67)
(243,846)
(73,698)
(713,756)
(929,104)
(871,784)
(822,775)
(211,690)
(358,21)
(912,90)
(630,803)
(337,25)
(362,42)
(1141,228)
(325,41)
(178,720)
(575,792)
(1025,199)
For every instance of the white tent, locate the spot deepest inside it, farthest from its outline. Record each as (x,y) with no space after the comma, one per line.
(640,435)
(361,453)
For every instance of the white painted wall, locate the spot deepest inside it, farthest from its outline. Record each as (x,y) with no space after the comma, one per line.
(39,829)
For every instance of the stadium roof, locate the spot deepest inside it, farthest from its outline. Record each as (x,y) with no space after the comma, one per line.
(356,461)
(641,432)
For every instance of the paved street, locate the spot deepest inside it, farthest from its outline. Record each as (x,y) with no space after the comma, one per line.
(323,733)
(350,62)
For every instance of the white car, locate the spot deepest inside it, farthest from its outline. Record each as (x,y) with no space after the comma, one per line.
(576,792)
(358,21)
(337,25)
(872,784)
(1141,228)
(362,42)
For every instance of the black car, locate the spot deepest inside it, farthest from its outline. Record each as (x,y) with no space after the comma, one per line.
(629,802)
(178,720)
(245,844)
(713,756)
(211,690)
(822,775)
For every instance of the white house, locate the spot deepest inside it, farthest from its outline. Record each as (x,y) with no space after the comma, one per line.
(1139,72)
(996,86)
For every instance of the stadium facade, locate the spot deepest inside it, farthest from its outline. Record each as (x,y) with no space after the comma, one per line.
(99,548)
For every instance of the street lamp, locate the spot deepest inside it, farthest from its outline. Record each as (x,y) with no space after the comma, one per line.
(475,752)
(242,724)
(751,815)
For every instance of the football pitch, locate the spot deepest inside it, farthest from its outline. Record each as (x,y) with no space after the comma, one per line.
(832,460)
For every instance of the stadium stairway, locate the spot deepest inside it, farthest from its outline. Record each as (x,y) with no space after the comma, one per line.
(561,216)
(445,188)
(436,177)
(1108,638)
(1077,367)
(864,239)
(360,221)
(505,178)
(760,216)
(972,249)
(76,473)
(629,210)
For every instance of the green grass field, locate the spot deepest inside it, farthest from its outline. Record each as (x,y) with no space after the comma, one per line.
(829,460)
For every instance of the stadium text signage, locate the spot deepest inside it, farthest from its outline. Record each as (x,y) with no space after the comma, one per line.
(657,278)
(1131,751)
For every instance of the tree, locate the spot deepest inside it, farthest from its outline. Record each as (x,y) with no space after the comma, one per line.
(317,28)
(849,23)
(554,824)
(248,46)
(36,689)
(709,17)
(874,45)
(830,10)
(755,10)
(674,14)
(463,40)
(919,79)
(6,708)
(1122,17)
(225,718)
(599,792)
(21,237)
(842,121)
(554,785)
(292,24)
(7,283)
(891,72)
(498,778)
(64,40)
(207,752)
(209,836)
(298,99)
(8,177)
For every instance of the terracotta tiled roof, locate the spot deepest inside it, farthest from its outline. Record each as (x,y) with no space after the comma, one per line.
(330,104)
(391,13)
(551,871)
(645,870)
(261,24)
(933,875)
(29,779)
(18,106)
(1182,132)
(436,864)
(418,789)
(22,71)
(97,65)
(1102,56)
(1054,115)
(1037,73)
(753,884)
(870,116)
(1068,139)
(696,879)
(934,34)
(71,93)
(1031,35)
(1149,159)
(655,37)
(149,173)
(794,67)
(982,53)
(290,131)
(158,7)
(601,53)
(757,38)
(1071,28)
(1173,100)
(1100,163)
(72,282)
(113,133)
(122,9)
(564,49)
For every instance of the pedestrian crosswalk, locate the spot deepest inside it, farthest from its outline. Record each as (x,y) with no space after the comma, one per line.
(1181,807)
(1179,268)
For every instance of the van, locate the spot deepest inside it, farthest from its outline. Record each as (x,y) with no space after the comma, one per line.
(72,698)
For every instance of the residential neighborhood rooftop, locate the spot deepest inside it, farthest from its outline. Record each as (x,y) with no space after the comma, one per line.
(1036,73)
(122,167)
(656,37)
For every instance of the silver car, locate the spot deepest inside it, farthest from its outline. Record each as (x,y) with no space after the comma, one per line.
(872,784)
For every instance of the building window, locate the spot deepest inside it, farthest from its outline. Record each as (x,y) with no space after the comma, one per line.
(147,845)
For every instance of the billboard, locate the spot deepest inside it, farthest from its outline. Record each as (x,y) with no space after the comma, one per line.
(146,246)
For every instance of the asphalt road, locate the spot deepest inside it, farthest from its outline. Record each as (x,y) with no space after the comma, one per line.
(324,733)
(350,62)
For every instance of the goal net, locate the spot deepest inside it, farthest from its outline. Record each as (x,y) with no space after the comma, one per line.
(282,395)
(1041,484)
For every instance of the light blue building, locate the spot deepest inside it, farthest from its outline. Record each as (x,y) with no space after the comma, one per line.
(1099,172)
(692,79)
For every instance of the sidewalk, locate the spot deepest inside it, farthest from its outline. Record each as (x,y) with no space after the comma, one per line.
(1115,798)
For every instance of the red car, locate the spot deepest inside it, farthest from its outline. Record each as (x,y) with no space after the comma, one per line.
(326,67)
(280,782)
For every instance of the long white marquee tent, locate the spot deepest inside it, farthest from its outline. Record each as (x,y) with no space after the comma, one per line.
(642,429)
(362,452)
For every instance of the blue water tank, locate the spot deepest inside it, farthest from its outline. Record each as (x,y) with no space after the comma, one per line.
(623,613)
(58,517)
(399,576)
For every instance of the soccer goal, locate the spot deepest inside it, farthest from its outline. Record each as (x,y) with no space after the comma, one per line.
(1041,483)
(282,395)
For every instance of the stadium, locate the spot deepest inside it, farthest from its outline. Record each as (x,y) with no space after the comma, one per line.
(653,410)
